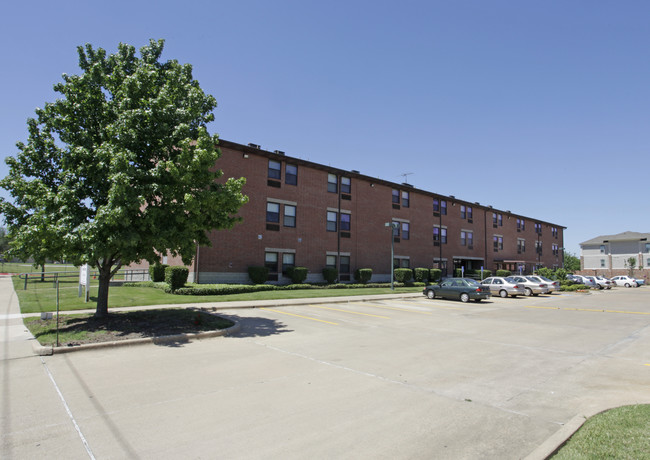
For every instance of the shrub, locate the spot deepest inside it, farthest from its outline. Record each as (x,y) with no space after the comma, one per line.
(297,274)
(258,275)
(421,275)
(504,273)
(545,272)
(403,275)
(157,272)
(560,274)
(330,274)
(363,275)
(435,275)
(176,277)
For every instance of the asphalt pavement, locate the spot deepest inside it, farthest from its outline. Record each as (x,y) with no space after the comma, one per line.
(390,377)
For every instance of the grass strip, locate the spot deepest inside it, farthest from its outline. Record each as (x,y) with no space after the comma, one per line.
(621,433)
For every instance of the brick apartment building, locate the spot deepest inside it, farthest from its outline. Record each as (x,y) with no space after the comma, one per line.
(311,215)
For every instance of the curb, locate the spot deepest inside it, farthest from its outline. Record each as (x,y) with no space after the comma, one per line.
(557,440)
(41,350)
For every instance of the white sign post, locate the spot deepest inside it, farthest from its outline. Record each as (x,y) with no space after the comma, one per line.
(84,280)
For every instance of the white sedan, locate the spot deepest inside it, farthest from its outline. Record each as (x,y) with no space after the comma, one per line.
(625,281)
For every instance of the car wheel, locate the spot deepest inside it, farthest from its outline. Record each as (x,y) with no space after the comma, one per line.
(529,292)
(464,297)
(503,293)
(431,294)
(627,284)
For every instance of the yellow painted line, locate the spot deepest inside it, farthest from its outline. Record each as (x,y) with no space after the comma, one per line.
(350,311)
(629,312)
(584,309)
(543,308)
(647,364)
(374,305)
(299,316)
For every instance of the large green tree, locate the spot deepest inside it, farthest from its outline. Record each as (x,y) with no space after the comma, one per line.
(120,168)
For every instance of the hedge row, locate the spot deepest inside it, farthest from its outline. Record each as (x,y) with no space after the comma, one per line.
(225,289)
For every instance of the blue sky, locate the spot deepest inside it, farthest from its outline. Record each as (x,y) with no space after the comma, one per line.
(541,108)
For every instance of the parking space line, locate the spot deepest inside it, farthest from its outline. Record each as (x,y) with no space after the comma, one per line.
(374,305)
(349,311)
(299,316)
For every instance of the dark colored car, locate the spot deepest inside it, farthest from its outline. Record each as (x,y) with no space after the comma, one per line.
(458,288)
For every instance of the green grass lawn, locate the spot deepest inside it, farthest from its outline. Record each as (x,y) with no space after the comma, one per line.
(41,296)
(621,433)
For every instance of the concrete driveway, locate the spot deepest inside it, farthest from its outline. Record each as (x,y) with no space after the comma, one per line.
(393,378)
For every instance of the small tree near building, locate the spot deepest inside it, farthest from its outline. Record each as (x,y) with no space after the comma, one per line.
(630,264)
(120,168)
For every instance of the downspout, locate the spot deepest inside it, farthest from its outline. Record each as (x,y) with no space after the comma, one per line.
(338,225)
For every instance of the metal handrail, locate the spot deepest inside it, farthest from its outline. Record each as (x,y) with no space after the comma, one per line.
(56,275)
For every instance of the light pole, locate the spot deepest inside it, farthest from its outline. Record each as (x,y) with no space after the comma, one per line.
(392,226)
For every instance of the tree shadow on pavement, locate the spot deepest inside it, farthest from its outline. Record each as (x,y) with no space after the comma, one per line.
(256,326)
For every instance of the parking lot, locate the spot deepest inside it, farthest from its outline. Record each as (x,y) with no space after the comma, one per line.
(398,378)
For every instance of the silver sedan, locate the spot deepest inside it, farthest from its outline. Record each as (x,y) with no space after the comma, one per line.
(503,287)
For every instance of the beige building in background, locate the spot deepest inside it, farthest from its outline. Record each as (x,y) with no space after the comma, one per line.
(608,255)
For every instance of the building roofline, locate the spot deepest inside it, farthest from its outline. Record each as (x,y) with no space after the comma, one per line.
(625,236)
(279,155)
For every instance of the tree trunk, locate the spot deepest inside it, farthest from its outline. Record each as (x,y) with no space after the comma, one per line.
(43,273)
(102,293)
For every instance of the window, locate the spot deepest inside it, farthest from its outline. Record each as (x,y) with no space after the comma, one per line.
(436,205)
(273,213)
(538,228)
(555,249)
(466,212)
(521,246)
(330,261)
(395,196)
(271,261)
(332,183)
(602,249)
(469,213)
(396,227)
(463,212)
(498,243)
(494,218)
(346,185)
(538,247)
(291,175)
(345,222)
(405,199)
(521,225)
(345,264)
(647,247)
(288,260)
(463,238)
(554,232)
(443,208)
(275,170)
(500,218)
(602,263)
(289,216)
(470,240)
(405,231)
(443,235)
(331,221)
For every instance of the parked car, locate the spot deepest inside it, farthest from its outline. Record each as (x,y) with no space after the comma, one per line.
(531,287)
(604,282)
(503,287)
(552,285)
(458,288)
(625,281)
(586,281)
(639,281)
(573,278)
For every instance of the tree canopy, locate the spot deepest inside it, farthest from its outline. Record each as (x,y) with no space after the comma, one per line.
(121,168)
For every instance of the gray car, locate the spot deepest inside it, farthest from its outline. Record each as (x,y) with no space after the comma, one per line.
(503,287)
(531,287)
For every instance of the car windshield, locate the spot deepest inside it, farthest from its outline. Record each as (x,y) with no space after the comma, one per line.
(510,279)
